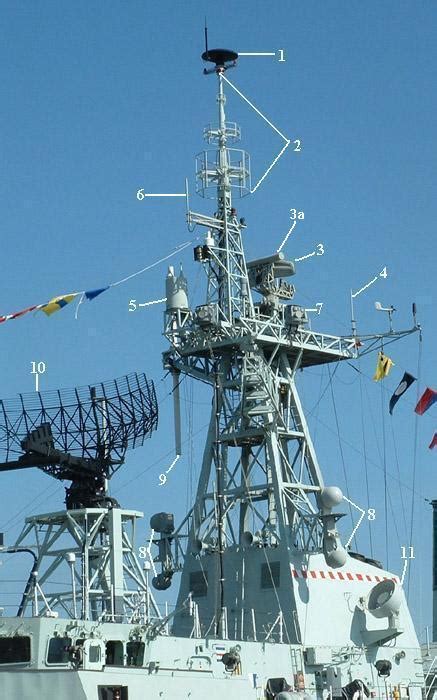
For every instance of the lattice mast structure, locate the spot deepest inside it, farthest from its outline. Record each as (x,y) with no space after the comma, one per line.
(261,499)
(227,273)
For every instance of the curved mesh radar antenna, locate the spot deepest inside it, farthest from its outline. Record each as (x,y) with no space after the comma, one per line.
(80,435)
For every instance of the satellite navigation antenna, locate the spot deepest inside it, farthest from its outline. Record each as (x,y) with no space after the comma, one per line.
(223,58)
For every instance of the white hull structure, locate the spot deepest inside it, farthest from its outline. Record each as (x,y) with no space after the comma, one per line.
(176,667)
(45,656)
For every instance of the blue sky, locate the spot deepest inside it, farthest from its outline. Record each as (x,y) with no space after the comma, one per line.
(101,99)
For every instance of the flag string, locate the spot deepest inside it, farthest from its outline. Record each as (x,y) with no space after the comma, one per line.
(58,302)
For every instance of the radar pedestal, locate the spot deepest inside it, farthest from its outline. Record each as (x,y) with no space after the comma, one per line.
(95,548)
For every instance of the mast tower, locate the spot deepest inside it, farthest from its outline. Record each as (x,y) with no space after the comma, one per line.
(261,509)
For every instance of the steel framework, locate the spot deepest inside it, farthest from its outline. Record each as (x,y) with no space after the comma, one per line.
(261,488)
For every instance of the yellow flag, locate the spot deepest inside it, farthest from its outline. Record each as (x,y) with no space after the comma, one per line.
(383,367)
(57,303)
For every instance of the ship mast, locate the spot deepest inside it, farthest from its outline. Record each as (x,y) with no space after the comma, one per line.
(261,506)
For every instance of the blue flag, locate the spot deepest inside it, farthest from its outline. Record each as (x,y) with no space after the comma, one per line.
(404,384)
(93,293)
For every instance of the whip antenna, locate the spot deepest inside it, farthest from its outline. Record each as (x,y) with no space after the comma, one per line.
(206,39)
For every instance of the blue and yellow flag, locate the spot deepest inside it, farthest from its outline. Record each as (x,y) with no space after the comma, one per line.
(58,303)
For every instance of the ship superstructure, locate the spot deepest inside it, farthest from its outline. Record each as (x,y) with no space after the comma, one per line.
(271,603)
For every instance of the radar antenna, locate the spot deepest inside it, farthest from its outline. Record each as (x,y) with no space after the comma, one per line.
(79,435)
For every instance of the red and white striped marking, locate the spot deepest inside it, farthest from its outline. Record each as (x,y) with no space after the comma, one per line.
(328,575)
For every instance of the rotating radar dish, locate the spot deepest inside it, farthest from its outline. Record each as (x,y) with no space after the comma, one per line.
(79,435)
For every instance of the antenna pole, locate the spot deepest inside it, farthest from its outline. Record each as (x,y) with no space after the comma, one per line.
(220,497)
(224,199)
(353,322)
(206,38)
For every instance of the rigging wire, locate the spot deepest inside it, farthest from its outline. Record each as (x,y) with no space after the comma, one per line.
(159,460)
(396,478)
(384,464)
(328,384)
(322,376)
(370,461)
(366,472)
(416,433)
(401,493)
(178,249)
(410,486)
(387,494)
(11,522)
(389,391)
(340,446)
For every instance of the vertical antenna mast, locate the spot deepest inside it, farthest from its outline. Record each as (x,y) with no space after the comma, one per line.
(227,294)
(206,38)
(220,173)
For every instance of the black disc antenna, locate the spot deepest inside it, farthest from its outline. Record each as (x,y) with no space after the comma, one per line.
(223,58)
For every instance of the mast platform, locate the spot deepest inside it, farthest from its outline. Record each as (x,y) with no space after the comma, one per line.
(305,346)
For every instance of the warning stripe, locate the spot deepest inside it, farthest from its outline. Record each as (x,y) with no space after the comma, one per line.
(339,575)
